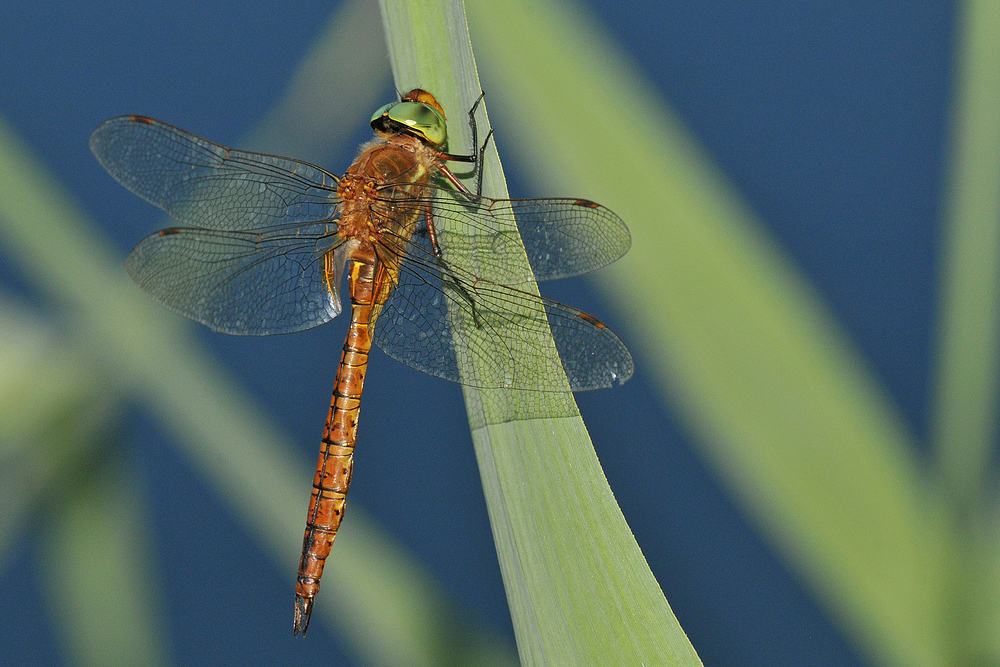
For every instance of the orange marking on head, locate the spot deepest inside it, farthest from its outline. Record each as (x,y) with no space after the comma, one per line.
(420,95)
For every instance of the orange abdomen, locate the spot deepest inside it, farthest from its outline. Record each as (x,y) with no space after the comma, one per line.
(336,455)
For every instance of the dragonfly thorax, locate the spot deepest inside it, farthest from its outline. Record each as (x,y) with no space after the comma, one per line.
(385,172)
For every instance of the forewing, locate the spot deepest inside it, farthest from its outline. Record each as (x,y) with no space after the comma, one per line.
(439,313)
(244,283)
(205,185)
(566,237)
(562,237)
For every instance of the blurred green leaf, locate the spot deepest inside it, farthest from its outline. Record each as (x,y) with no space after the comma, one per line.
(55,411)
(966,393)
(58,418)
(100,582)
(965,407)
(735,337)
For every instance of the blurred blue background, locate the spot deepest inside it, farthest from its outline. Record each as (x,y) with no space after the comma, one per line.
(829,117)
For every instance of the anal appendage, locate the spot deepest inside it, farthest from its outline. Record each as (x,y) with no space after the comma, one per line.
(303,611)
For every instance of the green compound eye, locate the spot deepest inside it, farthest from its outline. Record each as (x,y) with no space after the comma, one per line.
(414,118)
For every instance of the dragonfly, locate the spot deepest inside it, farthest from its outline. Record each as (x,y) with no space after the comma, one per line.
(434,271)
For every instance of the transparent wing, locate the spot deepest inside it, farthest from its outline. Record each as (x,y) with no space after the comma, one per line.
(202,184)
(439,314)
(562,237)
(246,283)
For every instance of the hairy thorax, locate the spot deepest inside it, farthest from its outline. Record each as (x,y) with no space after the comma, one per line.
(367,208)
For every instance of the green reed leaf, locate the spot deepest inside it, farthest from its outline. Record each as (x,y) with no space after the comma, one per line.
(579,589)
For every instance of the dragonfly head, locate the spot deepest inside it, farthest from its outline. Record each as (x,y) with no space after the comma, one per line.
(417,114)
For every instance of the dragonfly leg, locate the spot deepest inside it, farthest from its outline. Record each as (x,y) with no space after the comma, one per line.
(447,278)
(474,127)
(431,232)
(479,164)
(476,198)
(476,157)
(480,150)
